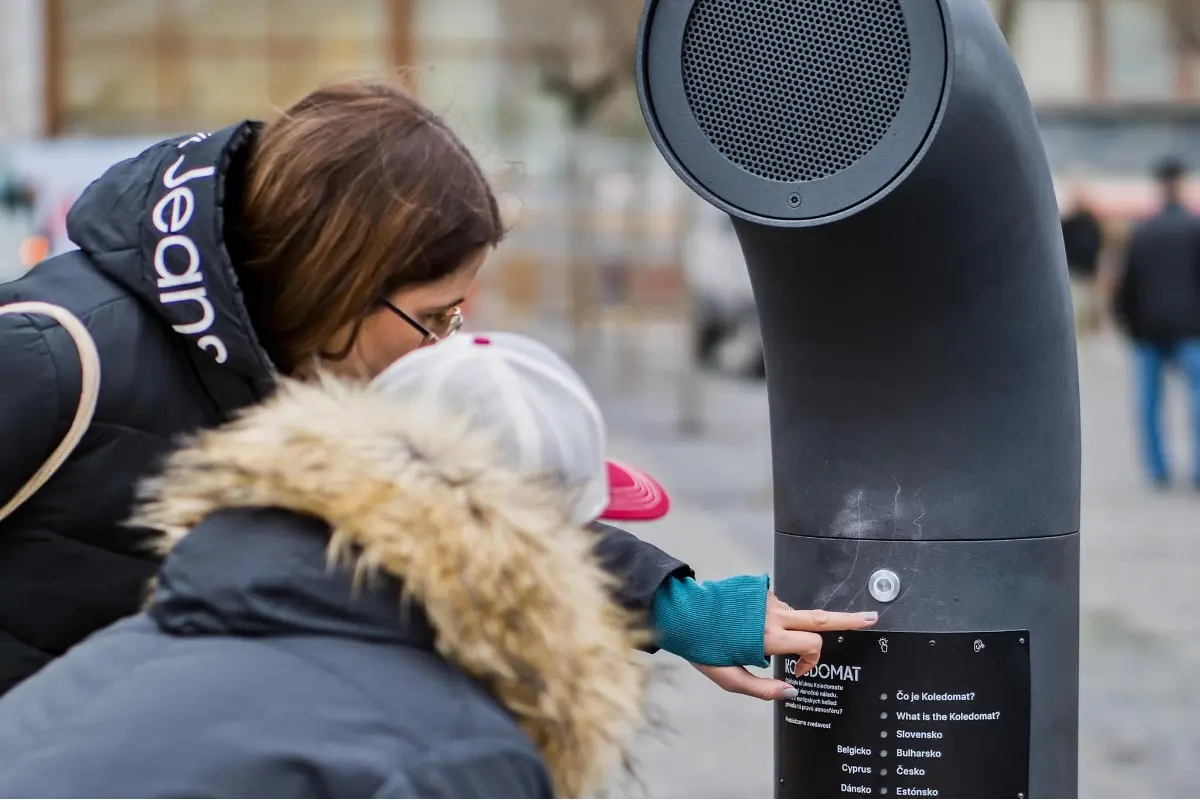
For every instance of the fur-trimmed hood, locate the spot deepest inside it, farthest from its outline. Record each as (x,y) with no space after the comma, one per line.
(511,590)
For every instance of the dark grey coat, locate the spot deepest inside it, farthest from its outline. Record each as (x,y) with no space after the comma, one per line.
(260,670)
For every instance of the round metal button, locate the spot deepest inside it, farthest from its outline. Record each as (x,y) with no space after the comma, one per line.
(884,585)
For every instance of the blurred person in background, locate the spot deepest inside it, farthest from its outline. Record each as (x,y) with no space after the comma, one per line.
(342,235)
(1084,241)
(22,244)
(1158,306)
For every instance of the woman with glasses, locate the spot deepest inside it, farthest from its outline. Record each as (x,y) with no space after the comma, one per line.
(434,326)
(342,235)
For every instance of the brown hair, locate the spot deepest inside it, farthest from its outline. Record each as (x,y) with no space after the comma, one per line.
(352,193)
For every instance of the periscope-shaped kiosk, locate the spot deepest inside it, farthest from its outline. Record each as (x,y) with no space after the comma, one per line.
(885,175)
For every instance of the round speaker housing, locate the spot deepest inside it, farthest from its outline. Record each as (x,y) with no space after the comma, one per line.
(792,112)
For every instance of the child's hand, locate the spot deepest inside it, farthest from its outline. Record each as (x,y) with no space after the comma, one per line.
(787,632)
(790,632)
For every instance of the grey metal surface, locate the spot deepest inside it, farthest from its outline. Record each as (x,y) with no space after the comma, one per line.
(966,586)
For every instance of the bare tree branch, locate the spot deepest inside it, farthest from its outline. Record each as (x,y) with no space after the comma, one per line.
(583,49)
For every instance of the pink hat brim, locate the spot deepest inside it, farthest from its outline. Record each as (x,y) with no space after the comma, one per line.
(633,495)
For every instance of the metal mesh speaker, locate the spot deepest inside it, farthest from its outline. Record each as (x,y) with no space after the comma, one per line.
(795,90)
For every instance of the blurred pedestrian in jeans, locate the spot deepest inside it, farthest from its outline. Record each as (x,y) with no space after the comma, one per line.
(1158,305)
(1084,241)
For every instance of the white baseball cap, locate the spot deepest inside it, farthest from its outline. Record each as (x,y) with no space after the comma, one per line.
(544,417)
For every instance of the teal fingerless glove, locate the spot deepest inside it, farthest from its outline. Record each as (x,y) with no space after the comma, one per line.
(718,623)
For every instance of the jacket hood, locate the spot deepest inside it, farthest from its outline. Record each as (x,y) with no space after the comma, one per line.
(405,501)
(155,224)
(280,583)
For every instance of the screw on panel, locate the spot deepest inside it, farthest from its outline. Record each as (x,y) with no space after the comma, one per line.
(794,200)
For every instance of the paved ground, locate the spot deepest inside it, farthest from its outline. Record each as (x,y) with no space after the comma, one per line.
(1140,700)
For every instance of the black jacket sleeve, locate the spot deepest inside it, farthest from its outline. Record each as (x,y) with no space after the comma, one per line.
(639,566)
(29,402)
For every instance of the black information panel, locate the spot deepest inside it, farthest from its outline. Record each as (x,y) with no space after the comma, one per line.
(889,714)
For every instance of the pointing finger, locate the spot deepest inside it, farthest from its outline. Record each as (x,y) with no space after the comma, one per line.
(818,620)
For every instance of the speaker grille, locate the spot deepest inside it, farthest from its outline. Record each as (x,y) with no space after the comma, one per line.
(795,90)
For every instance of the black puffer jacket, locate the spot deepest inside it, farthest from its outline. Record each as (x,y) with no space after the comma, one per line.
(155,285)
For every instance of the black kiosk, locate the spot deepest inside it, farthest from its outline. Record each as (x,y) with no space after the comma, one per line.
(884,171)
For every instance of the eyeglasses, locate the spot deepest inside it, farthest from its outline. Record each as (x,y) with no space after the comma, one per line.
(446,325)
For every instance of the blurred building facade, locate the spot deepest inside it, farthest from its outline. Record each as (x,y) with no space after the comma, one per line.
(1116,83)
(96,79)
(21,69)
(148,67)
(122,67)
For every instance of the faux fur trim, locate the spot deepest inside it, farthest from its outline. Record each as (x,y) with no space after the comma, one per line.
(512,589)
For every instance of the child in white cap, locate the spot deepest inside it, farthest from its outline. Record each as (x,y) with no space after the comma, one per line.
(547,421)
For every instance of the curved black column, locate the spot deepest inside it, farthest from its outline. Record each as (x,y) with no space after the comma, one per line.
(916,317)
